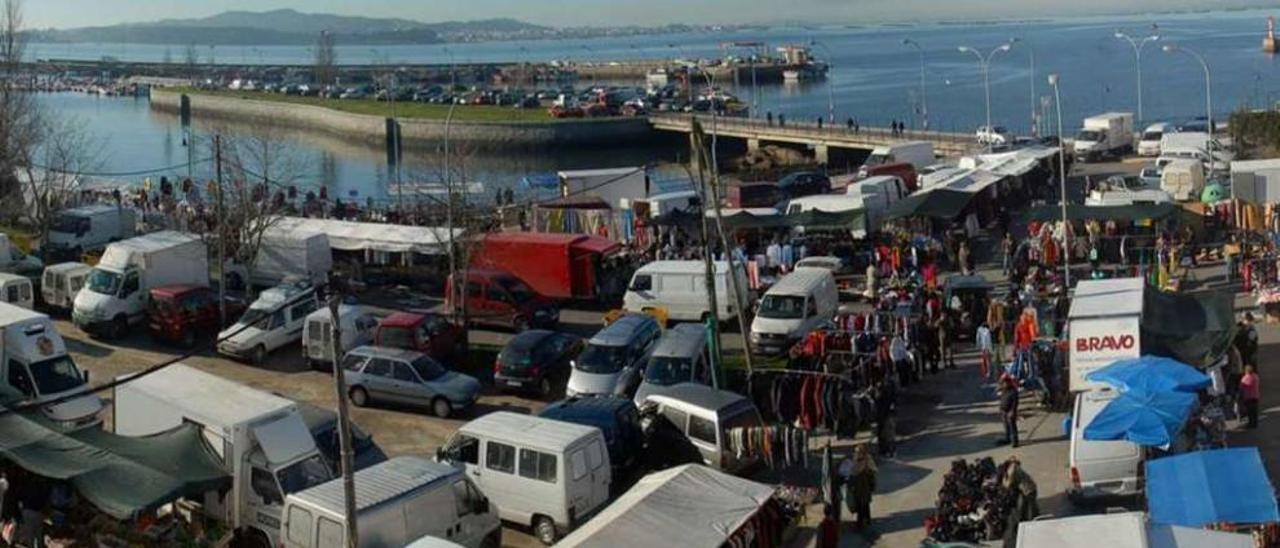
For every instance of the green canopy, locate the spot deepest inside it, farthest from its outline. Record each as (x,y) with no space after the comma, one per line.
(1078,212)
(120,475)
(940,203)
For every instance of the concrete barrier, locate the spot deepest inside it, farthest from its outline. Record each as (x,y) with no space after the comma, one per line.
(371,130)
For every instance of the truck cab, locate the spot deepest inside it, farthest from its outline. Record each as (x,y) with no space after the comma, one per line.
(111,300)
(34,361)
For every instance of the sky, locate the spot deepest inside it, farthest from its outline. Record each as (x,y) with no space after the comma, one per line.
(81,13)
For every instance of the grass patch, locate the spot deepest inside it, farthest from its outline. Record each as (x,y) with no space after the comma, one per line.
(425,111)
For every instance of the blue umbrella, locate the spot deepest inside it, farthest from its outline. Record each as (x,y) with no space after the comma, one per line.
(1144,418)
(1151,374)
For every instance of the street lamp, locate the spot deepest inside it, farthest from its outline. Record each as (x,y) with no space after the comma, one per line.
(1208,100)
(1137,56)
(924,99)
(831,94)
(1035,127)
(984,63)
(1062,186)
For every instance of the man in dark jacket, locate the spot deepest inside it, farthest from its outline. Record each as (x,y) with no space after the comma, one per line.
(1009,410)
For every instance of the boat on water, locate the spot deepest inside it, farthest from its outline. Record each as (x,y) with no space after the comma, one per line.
(1269,42)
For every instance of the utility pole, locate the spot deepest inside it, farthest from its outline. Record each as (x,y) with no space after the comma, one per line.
(222,233)
(344,422)
(713,317)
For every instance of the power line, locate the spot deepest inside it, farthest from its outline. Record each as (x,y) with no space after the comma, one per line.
(119,173)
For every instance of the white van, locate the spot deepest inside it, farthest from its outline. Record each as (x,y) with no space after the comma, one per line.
(61,283)
(356,326)
(799,303)
(1100,468)
(274,320)
(397,502)
(1149,145)
(680,356)
(687,201)
(542,473)
(90,228)
(17,290)
(680,288)
(1183,180)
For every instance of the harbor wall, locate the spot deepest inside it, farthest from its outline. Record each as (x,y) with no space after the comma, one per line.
(371,129)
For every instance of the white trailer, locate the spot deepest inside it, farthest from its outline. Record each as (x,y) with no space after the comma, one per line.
(115,296)
(91,228)
(34,361)
(1104,325)
(286,254)
(1105,135)
(261,439)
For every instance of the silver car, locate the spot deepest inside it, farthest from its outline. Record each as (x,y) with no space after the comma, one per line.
(614,359)
(392,375)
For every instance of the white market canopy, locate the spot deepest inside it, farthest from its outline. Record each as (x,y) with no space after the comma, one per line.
(691,506)
(1122,530)
(960,179)
(356,236)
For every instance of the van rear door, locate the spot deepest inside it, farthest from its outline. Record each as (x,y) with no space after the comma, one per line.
(1102,466)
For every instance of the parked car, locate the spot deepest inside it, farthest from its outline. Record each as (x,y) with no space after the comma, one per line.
(536,361)
(616,417)
(393,375)
(184,314)
(431,334)
(613,360)
(680,356)
(706,415)
(273,321)
(804,183)
(323,424)
(994,135)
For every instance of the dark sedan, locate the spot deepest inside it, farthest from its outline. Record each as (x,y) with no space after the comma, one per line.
(536,361)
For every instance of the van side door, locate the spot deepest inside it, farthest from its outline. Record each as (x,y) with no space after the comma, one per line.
(601,473)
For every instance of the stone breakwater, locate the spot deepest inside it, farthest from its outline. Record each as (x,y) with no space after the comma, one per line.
(371,129)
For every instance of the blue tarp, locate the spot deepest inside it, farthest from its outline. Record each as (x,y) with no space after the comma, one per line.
(1151,374)
(1207,487)
(1145,418)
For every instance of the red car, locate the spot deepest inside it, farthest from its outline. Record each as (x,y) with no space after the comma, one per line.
(431,334)
(183,314)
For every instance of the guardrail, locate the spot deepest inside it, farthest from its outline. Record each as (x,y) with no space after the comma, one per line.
(806,129)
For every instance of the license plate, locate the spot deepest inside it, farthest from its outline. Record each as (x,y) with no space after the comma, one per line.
(516,384)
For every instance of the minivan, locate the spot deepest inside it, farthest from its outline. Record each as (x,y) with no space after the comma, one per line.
(612,361)
(1100,469)
(706,416)
(1149,145)
(803,183)
(541,473)
(184,313)
(355,327)
(497,298)
(680,289)
(397,502)
(273,321)
(680,356)
(799,303)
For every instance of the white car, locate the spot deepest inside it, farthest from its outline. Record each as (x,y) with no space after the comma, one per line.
(993,135)
(275,320)
(1150,177)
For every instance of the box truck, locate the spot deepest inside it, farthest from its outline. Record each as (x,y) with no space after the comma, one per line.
(116,293)
(1104,326)
(558,266)
(1105,135)
(90,228)
(261,439)
(34,362)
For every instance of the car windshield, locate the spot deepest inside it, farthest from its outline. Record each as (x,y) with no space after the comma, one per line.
(427,368)
(104,282)
(163,305)
(70,223)
(1152,136)
(303,475)
(602,359)
(1089,135)
(56,375)
(254,316)
(666,370)
(518,290)
(397,337)
(781,307)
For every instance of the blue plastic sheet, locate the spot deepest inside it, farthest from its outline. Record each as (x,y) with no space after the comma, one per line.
(1151,374)
(1207,487)
(1145,418)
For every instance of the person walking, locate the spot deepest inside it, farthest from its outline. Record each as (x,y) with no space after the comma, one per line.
(849,124)
(886,428)
(829,529)
(1009,410)
(946,337)
(782,120)
(982,339)
(902,359)
(1250,393)
(859,475)
(963,255)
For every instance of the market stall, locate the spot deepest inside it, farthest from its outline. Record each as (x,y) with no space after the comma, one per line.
(1222,489)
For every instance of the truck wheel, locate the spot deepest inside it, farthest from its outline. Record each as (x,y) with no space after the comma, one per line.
(259,355)
(441,407)
(359,397)
(119,327)
(545,530)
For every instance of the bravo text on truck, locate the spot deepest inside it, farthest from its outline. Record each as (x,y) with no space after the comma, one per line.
(34,361)
(261,439)
(116,293)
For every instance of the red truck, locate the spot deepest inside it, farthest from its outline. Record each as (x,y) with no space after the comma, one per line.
(557,266)
(901,170)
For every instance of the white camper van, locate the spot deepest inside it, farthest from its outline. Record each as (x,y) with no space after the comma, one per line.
(1100,469)
(798,303)
(542,473)
(397,502)
(680,288)
(917,153)
(1183,180)
(273,321)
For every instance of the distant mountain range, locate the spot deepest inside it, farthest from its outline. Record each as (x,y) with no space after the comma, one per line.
(288,27)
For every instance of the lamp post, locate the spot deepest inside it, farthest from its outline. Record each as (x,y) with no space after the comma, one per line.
(831,93)
(1137,57)
(1035,127)
(984,63)
(1062,186)
(924,99)
(1208,100)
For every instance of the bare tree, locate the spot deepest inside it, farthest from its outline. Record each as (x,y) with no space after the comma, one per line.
(18,114)
(51,172)
(326,59)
